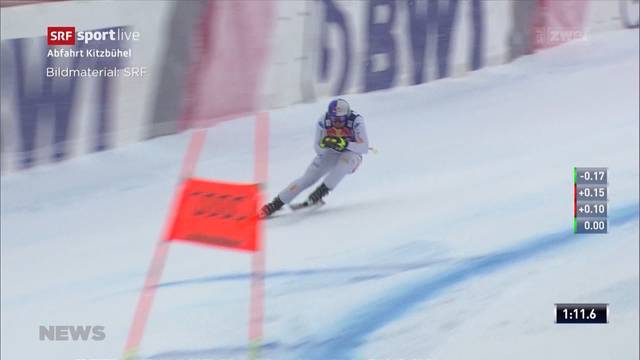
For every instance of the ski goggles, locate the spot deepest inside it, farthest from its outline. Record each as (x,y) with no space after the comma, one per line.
(338,119)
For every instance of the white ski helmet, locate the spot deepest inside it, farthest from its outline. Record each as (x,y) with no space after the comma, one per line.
(338,108)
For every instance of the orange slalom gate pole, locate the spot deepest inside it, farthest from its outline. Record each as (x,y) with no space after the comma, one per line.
(258,259)
(158,260)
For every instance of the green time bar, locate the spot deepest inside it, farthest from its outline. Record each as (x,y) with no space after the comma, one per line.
(575,202)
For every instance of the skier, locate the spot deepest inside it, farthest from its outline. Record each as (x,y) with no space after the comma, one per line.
(340,142)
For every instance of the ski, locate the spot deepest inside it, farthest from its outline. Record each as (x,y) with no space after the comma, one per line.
(295,208)
(306,205)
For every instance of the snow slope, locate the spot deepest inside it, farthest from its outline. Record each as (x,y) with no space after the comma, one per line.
(453,242)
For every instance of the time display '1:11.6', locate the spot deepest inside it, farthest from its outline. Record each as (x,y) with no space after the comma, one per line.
(582,313)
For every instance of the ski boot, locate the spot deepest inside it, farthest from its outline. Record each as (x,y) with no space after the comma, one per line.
(314,199)
(268,209)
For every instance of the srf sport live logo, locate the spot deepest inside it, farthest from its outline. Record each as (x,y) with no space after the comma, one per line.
(67,35)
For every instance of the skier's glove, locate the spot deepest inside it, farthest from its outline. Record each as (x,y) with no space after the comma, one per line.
(334,142)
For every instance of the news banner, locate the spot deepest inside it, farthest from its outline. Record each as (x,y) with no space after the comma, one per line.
(101,53)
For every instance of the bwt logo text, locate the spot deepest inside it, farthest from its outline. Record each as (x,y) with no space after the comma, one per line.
(67,35)
(72,333)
